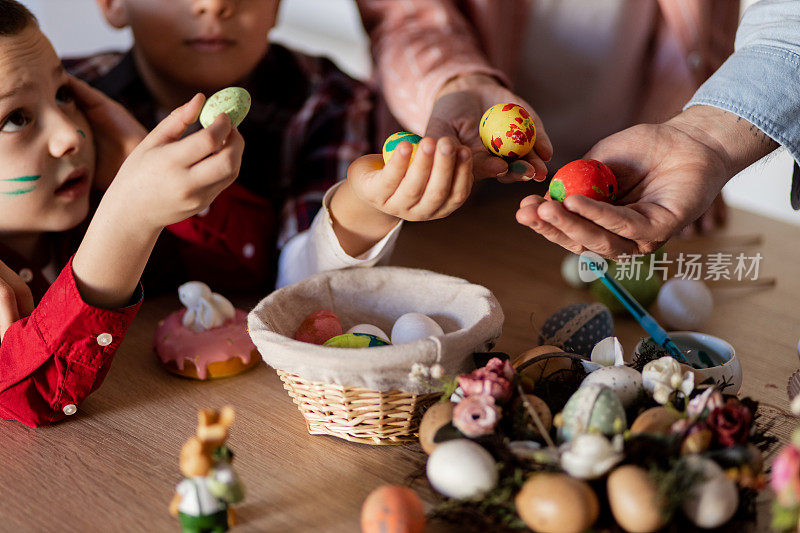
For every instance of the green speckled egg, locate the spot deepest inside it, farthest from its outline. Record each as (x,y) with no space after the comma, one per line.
(234,101)
(592,408)
(355,340)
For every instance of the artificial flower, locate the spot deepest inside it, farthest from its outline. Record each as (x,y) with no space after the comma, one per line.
(785,478)
(495,379)
(476,415)
(608,352)
(665,375)
(730,423)
(590,455)
(700,406)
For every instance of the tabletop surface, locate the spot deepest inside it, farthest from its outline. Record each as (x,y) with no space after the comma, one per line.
(114,465)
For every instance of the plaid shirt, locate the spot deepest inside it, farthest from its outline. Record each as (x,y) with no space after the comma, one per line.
(307,123)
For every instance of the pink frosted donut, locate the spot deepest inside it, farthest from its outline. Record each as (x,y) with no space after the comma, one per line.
(215,353)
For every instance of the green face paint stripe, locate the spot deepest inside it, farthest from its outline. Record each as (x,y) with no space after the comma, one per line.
(82,133)
(412,138)
(19,191)
(22,178)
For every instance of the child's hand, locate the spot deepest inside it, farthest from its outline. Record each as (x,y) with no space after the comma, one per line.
(168,179)
(16,300)
(116,132)
(436,183)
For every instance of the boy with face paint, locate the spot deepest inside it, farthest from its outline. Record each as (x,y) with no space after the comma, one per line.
(57,136)
(307,123)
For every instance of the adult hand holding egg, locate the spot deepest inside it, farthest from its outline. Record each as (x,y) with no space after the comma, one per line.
(668,175)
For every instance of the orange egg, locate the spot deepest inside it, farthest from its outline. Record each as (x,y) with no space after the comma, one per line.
(392,509)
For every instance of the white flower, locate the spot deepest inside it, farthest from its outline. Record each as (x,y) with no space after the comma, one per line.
(662,376)
(437,371)
(608,352)
(418,372)
(590,455)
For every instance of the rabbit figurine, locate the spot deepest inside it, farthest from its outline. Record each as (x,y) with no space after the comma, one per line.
(204,309)
(202,499)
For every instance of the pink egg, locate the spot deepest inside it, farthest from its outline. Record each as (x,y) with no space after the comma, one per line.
(318,327)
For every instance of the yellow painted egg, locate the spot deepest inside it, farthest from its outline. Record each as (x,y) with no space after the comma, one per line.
(234,101)
(438,415)
(634,501)
(507,130)
(556,503)
(392,509)
(395,139)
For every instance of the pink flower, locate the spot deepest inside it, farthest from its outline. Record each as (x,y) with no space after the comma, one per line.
(476,415)
(704,403)
(495,379)
(785,478)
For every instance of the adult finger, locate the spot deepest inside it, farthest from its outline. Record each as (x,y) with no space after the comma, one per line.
(585,232)
(174,125)
(528,216)
(621,220)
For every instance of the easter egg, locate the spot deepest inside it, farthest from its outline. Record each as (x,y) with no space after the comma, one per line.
(551,502)
(634,501)
(234,101)
(507,130)
(392,509)
(578,327)
(713,500)
(625,381)
(634,278)
(655,421)
(414,326)
(461,468)
(438,415)
(586,177)
(318,327)
(570,273)
(592,408)
(684,304)
(542,411)
(369,329)
(395,139)
(355,340)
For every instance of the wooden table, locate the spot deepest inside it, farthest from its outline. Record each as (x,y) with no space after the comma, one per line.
(113,466)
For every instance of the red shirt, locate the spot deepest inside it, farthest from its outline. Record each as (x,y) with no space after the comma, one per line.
(53,359)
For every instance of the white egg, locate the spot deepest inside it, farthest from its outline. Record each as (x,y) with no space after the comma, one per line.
(461,468)
(623,380)
(570,273)
(369,329)
(414,326)
(684,304)
(713,501)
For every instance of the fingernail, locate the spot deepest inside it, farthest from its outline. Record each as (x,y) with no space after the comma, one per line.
(428,148)
(446,148)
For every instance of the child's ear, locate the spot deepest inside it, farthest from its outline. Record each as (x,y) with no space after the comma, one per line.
(114,11)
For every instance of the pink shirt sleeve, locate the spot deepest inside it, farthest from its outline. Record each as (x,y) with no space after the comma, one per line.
(417,46)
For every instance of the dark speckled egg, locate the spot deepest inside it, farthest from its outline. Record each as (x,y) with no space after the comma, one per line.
(577,328)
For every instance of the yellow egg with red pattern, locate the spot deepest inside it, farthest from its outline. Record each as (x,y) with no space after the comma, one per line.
(507,130)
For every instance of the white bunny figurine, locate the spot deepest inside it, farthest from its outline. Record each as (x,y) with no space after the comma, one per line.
(204,309)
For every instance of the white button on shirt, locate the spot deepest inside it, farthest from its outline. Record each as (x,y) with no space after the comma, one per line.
(104,339)
(26,274)
(70,409)
(249,250)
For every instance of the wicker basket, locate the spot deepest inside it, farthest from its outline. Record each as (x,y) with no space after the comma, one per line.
(367,395)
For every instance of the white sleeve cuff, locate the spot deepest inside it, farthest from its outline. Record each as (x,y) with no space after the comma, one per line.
(318,250)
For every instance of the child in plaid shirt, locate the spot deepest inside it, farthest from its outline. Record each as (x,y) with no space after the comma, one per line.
(307,124)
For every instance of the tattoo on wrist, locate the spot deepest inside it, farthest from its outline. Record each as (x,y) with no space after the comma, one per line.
(763,138)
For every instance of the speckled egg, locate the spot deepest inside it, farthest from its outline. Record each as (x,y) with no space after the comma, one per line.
(578,327)
(369,329)
(507,130)
(625,381)
(234,101)
(355,340)
(557,503)
(461,468)
(592,408)
(684,304)
(392,509)
(634,501)
(395,139)
(655,421)
(437,415)
(414,326)
(713,501)
(318,327)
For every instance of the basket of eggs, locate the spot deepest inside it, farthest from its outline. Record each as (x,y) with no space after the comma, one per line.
(325,338)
